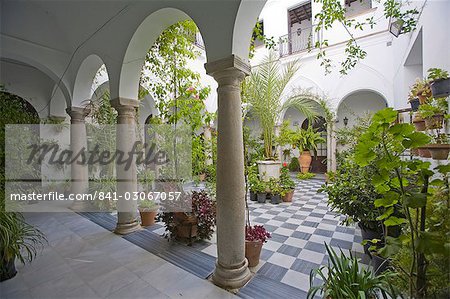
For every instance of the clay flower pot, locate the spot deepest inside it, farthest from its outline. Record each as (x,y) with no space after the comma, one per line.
(424,152)
(419,123)
(147,216)
(439,151)
(305,161)
(253,252)
(288,196)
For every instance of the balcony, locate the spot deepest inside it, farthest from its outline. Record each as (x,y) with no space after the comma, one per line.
(298,41)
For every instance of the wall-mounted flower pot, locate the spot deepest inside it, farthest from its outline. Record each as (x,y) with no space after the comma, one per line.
(424,152)
(434,122)
(415,103)
(419,123)
(414,152)
(441,88)
(253,196)
(253,252)
(305,160)
(261,197)
(439,151)
(288,196)
(269,169)
(275,198)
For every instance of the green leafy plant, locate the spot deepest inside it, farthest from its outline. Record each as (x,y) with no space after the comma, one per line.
(148,205)
(405,183)
(343,277)
(294,165)
(286,182)
(435,74)
(274,186)
(305,175)
(307,140)
(263,90)
(421,89)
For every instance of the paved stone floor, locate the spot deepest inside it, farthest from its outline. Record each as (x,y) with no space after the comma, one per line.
(299,231)
(83,260)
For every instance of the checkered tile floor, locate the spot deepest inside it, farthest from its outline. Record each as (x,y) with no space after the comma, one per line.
(299,230)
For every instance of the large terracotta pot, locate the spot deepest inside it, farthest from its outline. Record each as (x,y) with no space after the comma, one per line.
(147,217)
(305,161)
(253,252)
(288,196)
(439,151)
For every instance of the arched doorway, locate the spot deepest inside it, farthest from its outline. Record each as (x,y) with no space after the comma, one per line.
(319,162)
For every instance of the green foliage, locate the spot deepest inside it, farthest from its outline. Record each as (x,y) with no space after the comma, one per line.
(274,186)
(307,140)
(18,239)
(334,12)
(437,74)
(405,183)
(343,277)
(148,205)
(285,180)
(305,175)
(294,165)
(263,90)
(269,42)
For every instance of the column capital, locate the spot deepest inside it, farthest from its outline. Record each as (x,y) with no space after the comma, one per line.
(78,113)
(122,102)
(229,65)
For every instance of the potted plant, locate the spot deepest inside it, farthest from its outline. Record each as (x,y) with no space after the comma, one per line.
(255,237)
(20,241)
(344,277)
(275,191)
(440,82)
(421,89)
(263,90)
(307,141)
(198,224)
(148,210)
(433,113)
(252,180)
(260,188)
(419,122)
(287,184)
(440,148)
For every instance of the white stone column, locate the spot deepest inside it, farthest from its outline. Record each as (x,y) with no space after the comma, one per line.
(127,216)
(78,141)
(231,266)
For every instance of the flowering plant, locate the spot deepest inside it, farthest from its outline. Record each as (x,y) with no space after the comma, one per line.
(204,208)
(256,233)
(285,180)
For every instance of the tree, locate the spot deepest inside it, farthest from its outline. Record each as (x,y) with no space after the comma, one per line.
(264,90)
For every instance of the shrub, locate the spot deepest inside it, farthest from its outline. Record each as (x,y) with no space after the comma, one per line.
(305,175)
(294,165)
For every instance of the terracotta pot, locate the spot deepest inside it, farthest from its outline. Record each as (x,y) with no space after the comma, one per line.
(288,196)
(419,123)
(253,252)
(439,151)
(305,161)
(147,217)
(424,152)
(414,151)
(434,122)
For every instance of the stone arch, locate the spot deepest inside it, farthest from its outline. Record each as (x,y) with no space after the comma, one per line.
(372,101)
(143,38)
(82,90)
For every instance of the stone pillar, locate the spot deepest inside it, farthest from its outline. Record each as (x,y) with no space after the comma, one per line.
(78,141)
(231,266)
(127,216)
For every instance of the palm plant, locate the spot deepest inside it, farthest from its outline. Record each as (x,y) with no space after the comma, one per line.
(308,139)
(264,90)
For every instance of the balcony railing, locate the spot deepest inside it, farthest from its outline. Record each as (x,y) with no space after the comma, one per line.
(298,41)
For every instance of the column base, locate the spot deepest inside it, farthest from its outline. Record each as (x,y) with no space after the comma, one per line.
(127,228)
(231,278)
